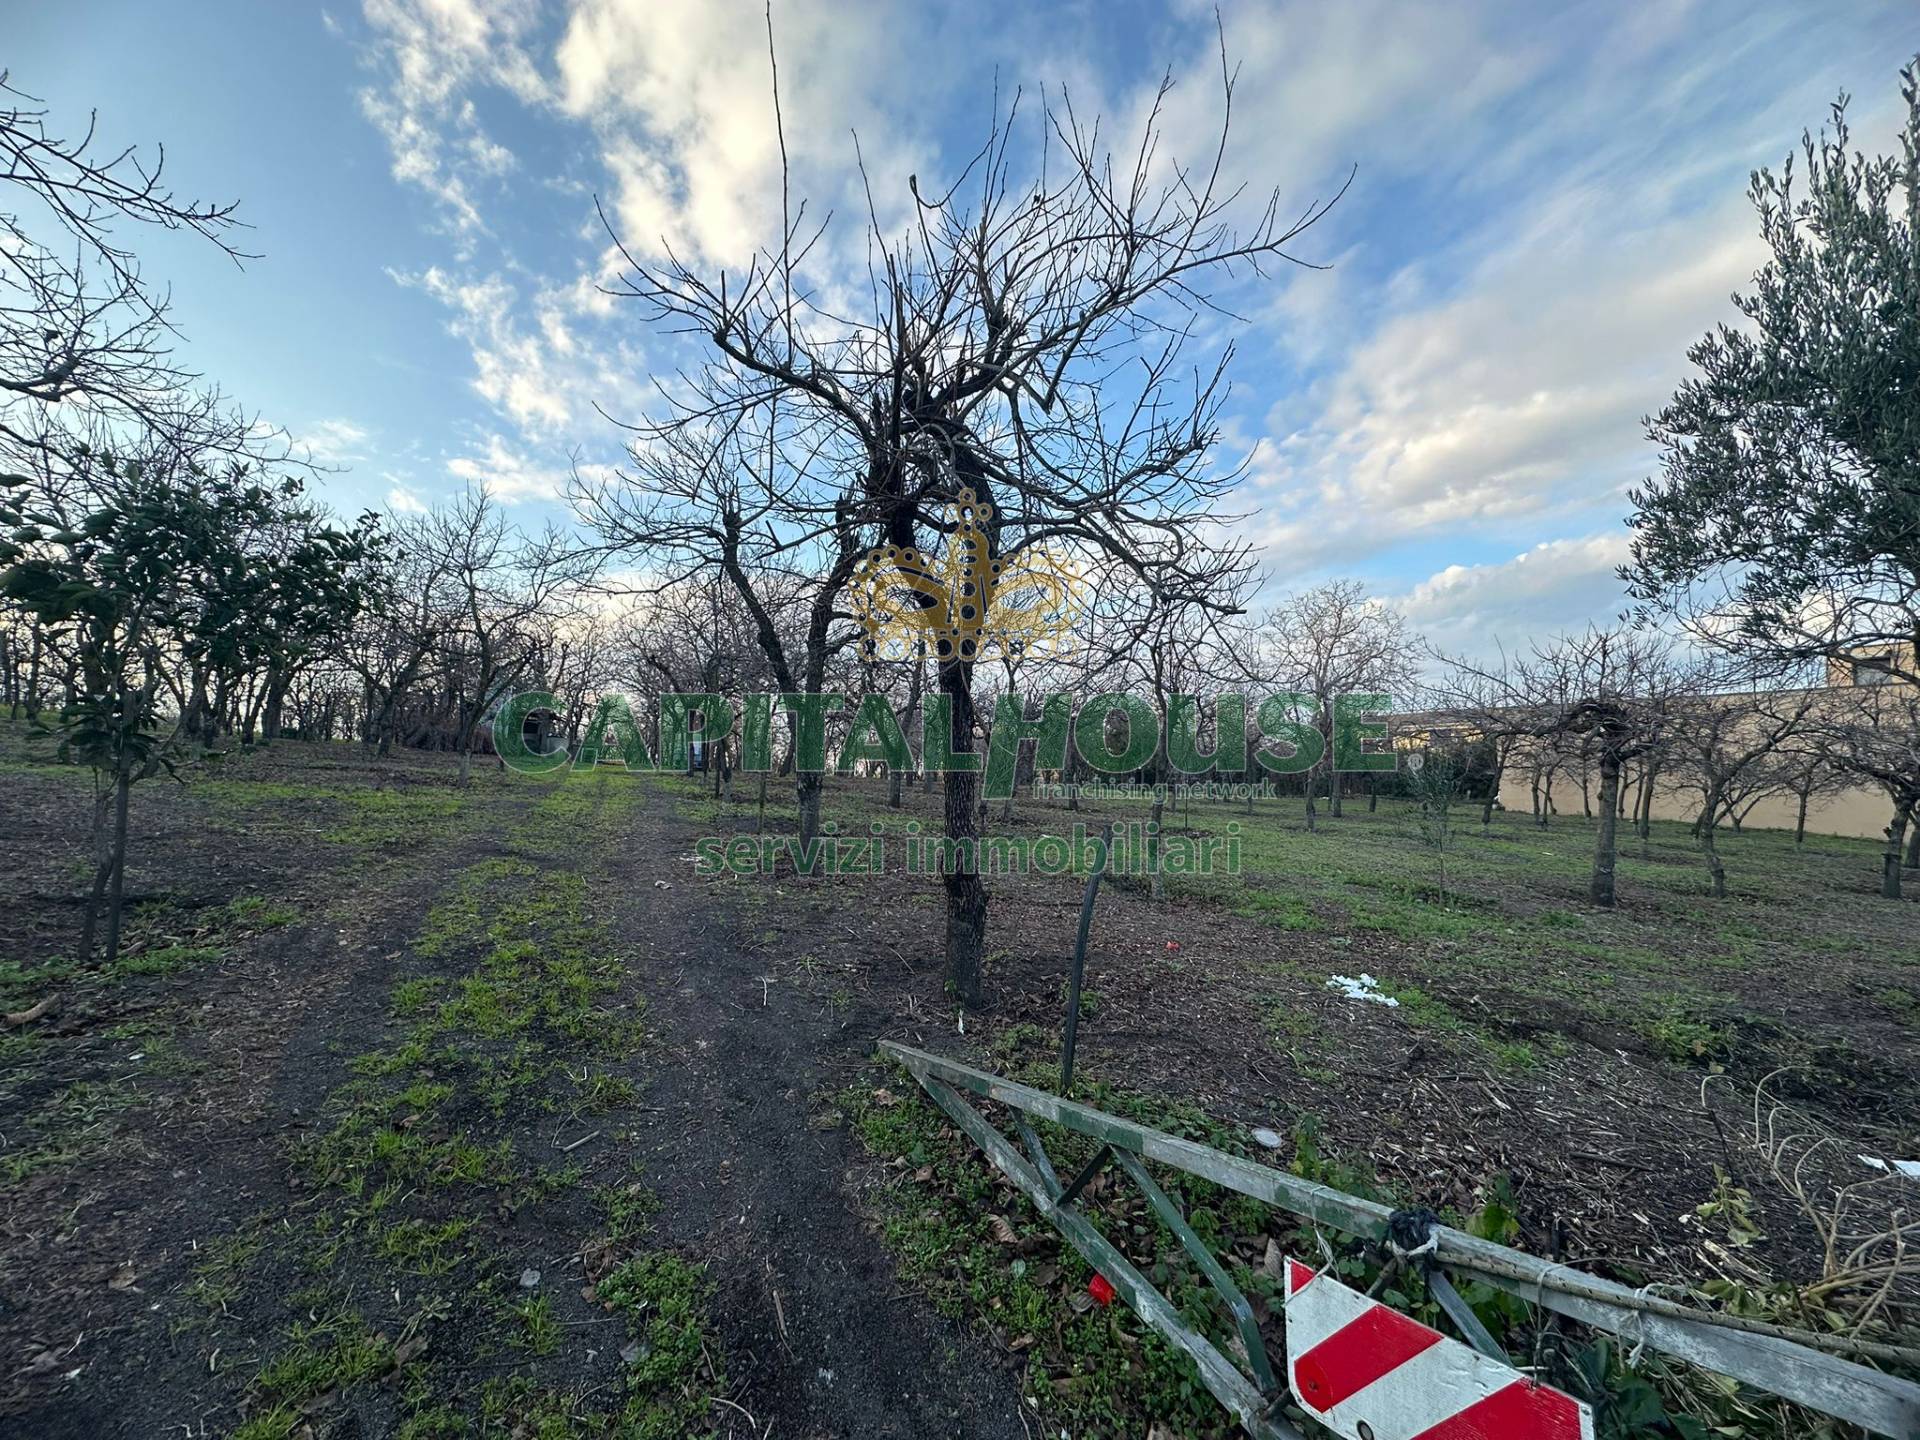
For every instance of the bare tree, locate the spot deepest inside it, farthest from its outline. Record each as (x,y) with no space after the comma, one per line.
(1611,692)
(1020,356)
(1331,641)
(1872,732)
(1730,746)
(496,584)
(77,320)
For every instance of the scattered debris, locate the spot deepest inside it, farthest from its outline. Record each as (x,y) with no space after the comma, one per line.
(1908,1168)
(1101,1289)
(529,1279)
(1267,1139)
(1360,987)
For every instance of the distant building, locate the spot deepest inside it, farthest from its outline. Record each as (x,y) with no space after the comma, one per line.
(1527,784)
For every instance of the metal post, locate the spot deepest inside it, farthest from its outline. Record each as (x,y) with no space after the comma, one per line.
(1087,897)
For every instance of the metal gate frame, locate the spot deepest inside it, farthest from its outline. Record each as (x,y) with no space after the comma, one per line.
(1755,1353)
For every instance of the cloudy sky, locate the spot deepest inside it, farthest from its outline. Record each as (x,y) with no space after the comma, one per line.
(1548,207)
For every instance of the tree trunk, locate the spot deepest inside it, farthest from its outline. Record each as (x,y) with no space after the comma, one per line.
(1890,861)
(116,897)
(1600,890)
(102,871)
(1705,827)
(33,676)
(806,795)
(1800,821)
(896,779)
(1157,884)
(274,711)
(966,895)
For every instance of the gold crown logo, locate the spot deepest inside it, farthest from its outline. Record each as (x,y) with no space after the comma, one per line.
(969,601)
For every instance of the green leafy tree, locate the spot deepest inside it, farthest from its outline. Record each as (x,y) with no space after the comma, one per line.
(1785,522)
(1786,517)
(134,565)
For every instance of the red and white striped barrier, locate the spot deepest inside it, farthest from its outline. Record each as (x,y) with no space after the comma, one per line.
(1368,1372)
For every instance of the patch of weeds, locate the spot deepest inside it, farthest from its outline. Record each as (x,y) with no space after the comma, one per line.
(410,997)
(1513,1054)
(257,912)
(600,1092)
(167,959)
(21,984)
(220,1273)
(535,1328)
(664,1300)
(1425,1010)
(1682,1034)
(18,1045)
(76,1123)
(1901,1002)
(1089,999)
(627,1208)
(384,819)
(332,1352)
(423,1247)
(1289,912)
(1285,1022)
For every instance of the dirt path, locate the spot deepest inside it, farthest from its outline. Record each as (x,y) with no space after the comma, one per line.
(258,1042)
(811,1311)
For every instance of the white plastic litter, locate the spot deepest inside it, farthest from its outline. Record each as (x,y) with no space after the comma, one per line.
(1269,1139)
(1360,987)
(1908,1168)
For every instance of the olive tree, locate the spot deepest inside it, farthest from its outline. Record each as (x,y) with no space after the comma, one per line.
(1785,521)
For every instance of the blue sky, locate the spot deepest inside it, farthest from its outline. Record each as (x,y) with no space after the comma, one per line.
(1548,207)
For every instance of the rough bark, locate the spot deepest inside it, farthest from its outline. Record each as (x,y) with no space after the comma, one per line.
(966,896)
(1600,889)
(1890,859)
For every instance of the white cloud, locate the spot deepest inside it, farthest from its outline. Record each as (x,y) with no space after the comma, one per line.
(427,54)
(402,501)
(1556,585)
(508,474)
(334,442)
(1520,395)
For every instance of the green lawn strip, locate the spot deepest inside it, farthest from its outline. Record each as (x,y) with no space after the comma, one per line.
(511,1022)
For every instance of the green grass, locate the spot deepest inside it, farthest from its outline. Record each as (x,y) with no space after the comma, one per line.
(513,1013)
